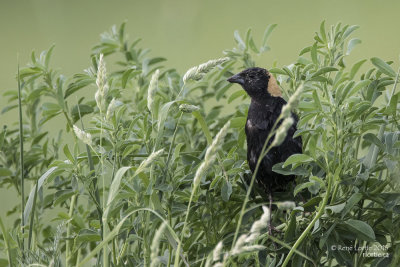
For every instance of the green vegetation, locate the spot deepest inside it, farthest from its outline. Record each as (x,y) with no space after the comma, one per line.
(157,177)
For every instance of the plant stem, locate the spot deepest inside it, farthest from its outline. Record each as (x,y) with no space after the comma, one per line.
(68,251)
(114,251)
(169,244)
(6,242)
(247,198)
(357,146)
(335,190)
(105,226)
(96,197)
(32,215)
(78,257)
(311,225)
(112,178)
(122,252)
(170,147)
(21,144)
(169,206)
(184,228)
(334,161)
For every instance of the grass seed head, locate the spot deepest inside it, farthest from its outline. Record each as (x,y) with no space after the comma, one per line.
(286,205)
(111,107)
(217,251)
(258,226)
(83,136)
(149,160)
(210,155)
(292,103)
(217,141)
(101,82)
(188,108)
(155,245)
(196,73)
(245,242)
(281,133)
(151,92)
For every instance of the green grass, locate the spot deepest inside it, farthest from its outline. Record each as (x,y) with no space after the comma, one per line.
(155,176)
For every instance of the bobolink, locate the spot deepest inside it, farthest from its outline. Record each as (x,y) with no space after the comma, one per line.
(265,108)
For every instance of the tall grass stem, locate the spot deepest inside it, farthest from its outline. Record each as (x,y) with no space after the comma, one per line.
(21,148)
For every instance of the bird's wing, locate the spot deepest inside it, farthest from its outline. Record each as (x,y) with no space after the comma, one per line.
(256,134)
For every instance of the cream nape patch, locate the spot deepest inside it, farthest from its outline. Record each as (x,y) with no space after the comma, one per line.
(273,87)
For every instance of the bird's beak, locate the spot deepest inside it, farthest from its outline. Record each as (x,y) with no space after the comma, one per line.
(237,78)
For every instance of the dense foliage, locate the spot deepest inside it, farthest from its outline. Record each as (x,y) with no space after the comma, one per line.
(154,172)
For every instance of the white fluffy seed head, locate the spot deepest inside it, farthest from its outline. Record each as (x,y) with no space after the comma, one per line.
(101,82)
(249,248)
(83,136)
(286,109)
(261,223)
(286,205)
(292,103)
(245,242)
(258,226)
(210,155)
(153,156)
(188,108)
(295,98)
(201,170)
(281,133)
(151,92)
(217,251)
(101,72)
(242,246)
(196,73)
(240,243)
(111,107)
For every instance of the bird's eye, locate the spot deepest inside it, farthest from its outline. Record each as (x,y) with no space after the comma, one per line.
(251,76)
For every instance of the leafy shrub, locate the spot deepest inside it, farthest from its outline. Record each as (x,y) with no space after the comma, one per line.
(156,174)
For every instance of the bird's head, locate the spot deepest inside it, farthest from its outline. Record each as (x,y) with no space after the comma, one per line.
(257,82)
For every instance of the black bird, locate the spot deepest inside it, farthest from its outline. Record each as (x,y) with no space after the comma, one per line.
(265,108)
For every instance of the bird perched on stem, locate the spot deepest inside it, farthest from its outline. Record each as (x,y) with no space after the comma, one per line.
(264,116)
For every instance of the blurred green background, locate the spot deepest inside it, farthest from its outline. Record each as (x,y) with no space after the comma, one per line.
(185,32)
